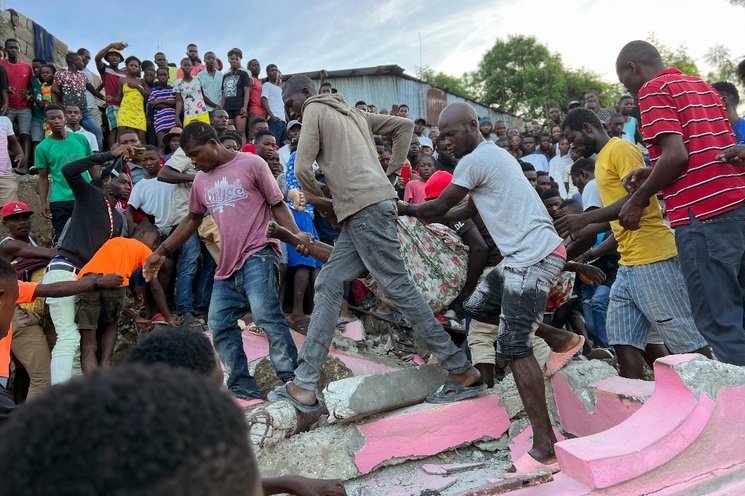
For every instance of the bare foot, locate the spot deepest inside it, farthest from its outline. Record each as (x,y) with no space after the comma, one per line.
(543,456)
(571,343)
(301,395)
(467,378)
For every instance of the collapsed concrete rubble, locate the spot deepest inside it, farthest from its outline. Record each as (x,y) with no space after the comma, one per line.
(616,436)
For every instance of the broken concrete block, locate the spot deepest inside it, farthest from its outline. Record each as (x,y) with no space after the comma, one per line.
(410,484)
(426,430)
(257,346)
(354,331)
(449,468)
(696,408)
(365,395)
(591,398)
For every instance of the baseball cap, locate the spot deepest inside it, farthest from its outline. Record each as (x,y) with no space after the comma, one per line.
(14,208)
(424,141)
(294,123)
(436,184)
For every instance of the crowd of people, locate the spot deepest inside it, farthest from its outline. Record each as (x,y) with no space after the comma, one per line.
(198,196)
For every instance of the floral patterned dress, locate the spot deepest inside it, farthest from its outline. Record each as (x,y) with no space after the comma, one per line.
(436,261)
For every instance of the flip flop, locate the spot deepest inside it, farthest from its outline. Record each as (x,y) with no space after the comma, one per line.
(158,317)
(281,394)
(526,464)
(189,321)
(450,393)
(342,323)
(300,325)
(557,360)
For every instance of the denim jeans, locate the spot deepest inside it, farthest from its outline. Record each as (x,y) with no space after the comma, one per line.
(595,305)
(279,129)
(189,300)
(61,213)
(254,286)
(368,240)
(519,296)
(712,257)
(67,346)
(89,124)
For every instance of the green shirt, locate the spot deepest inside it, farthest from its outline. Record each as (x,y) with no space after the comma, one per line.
(37,115)
(52,154)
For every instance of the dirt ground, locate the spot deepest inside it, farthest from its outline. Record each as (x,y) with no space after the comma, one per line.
(41,227)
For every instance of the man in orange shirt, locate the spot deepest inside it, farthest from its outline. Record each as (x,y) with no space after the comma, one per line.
(13,292)
(123,256)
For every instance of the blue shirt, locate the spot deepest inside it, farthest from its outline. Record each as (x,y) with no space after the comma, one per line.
(538,160)
(740,131)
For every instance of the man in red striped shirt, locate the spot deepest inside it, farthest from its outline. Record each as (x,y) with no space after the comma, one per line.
(685,127)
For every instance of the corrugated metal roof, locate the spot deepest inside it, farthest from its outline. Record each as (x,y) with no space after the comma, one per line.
(387,85)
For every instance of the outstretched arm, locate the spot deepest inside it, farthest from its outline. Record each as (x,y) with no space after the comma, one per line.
(435,208)
(69,288)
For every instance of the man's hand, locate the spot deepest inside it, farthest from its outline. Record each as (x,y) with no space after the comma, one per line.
(303,247)
(178,122)
(402,207)
(110,281)
(734,155)
(152,266)
(46,211)
(174,320)
(20,164)
(631,214)
(635,179)
(570,224)
(119,45)
(273,119)
(127,151)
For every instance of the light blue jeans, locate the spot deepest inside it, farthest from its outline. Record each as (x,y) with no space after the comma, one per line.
(254,286)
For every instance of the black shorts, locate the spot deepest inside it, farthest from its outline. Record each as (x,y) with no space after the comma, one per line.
(232,114)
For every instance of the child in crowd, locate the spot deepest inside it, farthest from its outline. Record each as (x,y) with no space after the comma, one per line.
(630,124)
(133,91)
(559,165)
(414,191)
(162,100)
(212,80)
(255,109)
(123,256)
(232,141)
(110,75)
(189,99)
(151,196)
(236,89)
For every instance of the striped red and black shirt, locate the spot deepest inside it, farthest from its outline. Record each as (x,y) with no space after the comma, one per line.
(672,102)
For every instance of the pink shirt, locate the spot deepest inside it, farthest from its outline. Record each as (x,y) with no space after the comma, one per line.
(414,192)
(195,69)
(239,196)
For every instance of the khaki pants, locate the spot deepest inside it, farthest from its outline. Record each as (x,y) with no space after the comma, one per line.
(8,190)
(32,348)
(96,113)
(210,236)
(482,336)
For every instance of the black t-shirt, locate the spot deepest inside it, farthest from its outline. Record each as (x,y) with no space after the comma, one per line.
(446,166)
(90,225)
(233,88)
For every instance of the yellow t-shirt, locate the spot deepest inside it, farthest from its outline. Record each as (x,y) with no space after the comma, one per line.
(653,241)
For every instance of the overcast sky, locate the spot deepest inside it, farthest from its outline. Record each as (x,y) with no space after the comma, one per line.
(336,34)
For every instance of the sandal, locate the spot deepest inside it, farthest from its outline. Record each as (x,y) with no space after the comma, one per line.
(300,325)
(450,393)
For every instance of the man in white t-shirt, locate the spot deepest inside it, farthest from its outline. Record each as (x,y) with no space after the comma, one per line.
(582,176)
(271,100)
(151,196)
(9,144)
(515,294)
(72,120)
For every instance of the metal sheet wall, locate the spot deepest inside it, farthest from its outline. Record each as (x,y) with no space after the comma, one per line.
(423,100)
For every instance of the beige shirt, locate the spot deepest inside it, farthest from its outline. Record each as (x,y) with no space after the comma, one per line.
(180,200)
(340,139)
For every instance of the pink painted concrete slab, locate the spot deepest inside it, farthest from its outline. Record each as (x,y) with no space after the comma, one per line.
(246,403)
(522,443)
(257,347)
(562,485)
(625,388)
(658,432)
(426,430)
(610,409)
(354,330)
(418,360)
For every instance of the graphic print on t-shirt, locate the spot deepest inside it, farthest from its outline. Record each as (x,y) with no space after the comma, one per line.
(231,85)
(224,194)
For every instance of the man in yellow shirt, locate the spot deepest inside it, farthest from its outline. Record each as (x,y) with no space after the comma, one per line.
(649,292)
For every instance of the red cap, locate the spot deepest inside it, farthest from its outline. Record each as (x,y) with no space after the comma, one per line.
(436,184)
(14,208)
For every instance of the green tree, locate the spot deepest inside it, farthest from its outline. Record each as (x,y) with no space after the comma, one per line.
(725,69)
(675,57)
(521,76)
(580,81)
(458,85)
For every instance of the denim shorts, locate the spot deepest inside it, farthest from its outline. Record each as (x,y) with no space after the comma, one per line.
(519,296)
(23,116)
